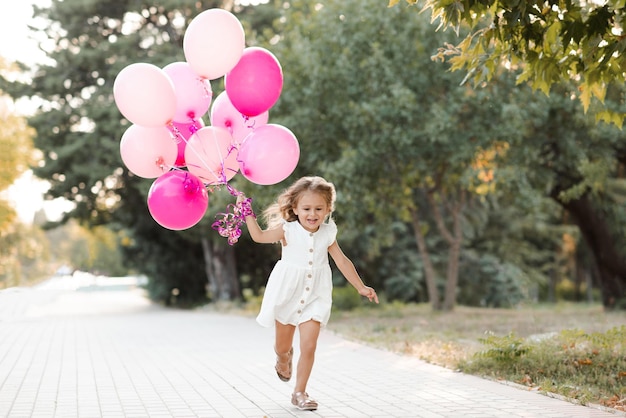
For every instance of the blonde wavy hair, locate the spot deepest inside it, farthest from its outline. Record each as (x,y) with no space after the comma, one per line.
(288,199)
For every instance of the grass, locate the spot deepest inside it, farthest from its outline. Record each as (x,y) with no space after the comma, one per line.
(574,350)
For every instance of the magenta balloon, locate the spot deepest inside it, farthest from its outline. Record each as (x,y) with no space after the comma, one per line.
(144,95)
(193,93)
(148,151)
(213,43)
(269,154)
(211,156)
(255,84)
(224,114)
(185,130)
(177,200)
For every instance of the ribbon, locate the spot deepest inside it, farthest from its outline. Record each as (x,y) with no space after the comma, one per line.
(228,224)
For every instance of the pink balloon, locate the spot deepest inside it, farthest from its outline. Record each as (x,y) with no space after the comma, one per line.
(269,154)
(213,43)
(184,130)
(148,151)
(224,114)
(193,93)
(211,156)
(255,83)
(177,200)
(144,95)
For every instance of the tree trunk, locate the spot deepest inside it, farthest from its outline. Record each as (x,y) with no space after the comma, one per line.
(231,273)
(552,287)
(611,265)
(221,271)
(578,283)
(454,240)
(589,283)
(452,281)
(429,271)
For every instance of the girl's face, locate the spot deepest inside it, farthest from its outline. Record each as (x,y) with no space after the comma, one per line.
(311,210)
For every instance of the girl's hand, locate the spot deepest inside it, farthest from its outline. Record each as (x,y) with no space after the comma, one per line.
(369,293)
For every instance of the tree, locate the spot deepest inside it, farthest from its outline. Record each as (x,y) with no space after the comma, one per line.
(96,250)
(16,149)
(569,49)
(579,163)
(551,41)
(399,137)
(19,249)
(404,142)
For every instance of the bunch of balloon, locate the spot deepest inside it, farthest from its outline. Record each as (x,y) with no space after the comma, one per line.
(169,141)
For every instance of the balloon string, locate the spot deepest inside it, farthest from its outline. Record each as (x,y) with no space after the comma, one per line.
(206,86)
(248,122)
(179,135)
(228,224)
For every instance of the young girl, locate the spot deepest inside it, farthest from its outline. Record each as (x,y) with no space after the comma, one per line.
(299,289)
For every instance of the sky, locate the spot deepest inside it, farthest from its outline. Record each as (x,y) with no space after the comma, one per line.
(26,194)
(14,36)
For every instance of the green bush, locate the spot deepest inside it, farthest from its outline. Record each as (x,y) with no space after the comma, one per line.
(507,348)
(572,363)
(346,298)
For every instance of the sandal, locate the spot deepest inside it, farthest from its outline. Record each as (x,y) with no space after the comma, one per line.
(302,401)
(283,374)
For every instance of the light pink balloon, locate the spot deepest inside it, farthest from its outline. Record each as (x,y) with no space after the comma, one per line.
(144,95)
(182,133)
(224,114)
(148,151)
(255,83)
(177,200)
(213,43)
(193,93)
(211,156)
(269,154)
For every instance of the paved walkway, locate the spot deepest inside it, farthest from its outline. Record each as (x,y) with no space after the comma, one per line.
(68,352)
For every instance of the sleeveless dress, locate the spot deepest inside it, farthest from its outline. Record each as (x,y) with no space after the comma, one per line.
(300,286)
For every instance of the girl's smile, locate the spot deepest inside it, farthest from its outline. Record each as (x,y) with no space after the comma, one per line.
(311,210)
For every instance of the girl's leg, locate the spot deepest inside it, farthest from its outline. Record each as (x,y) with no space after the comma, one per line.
(309,332)
(284,337)
(284,350)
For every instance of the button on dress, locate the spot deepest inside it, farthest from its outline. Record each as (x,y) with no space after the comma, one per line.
(300,286)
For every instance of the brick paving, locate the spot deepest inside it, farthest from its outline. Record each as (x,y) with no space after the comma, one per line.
(71,351)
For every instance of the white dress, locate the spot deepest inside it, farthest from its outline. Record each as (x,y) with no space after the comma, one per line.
(300,286)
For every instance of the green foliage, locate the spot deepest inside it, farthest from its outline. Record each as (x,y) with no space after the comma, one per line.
(375,115)
(503,349)
(16,152)
(24,255)
(346,298)
(28,253)
(96,250)
(402,268)
(173,263)
(573,363)
(487,281)
(400,128)
(550,42)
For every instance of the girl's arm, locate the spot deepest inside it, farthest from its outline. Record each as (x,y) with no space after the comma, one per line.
(349,271)
(259,235)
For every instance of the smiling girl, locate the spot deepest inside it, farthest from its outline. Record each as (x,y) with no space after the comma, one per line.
(299,289)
